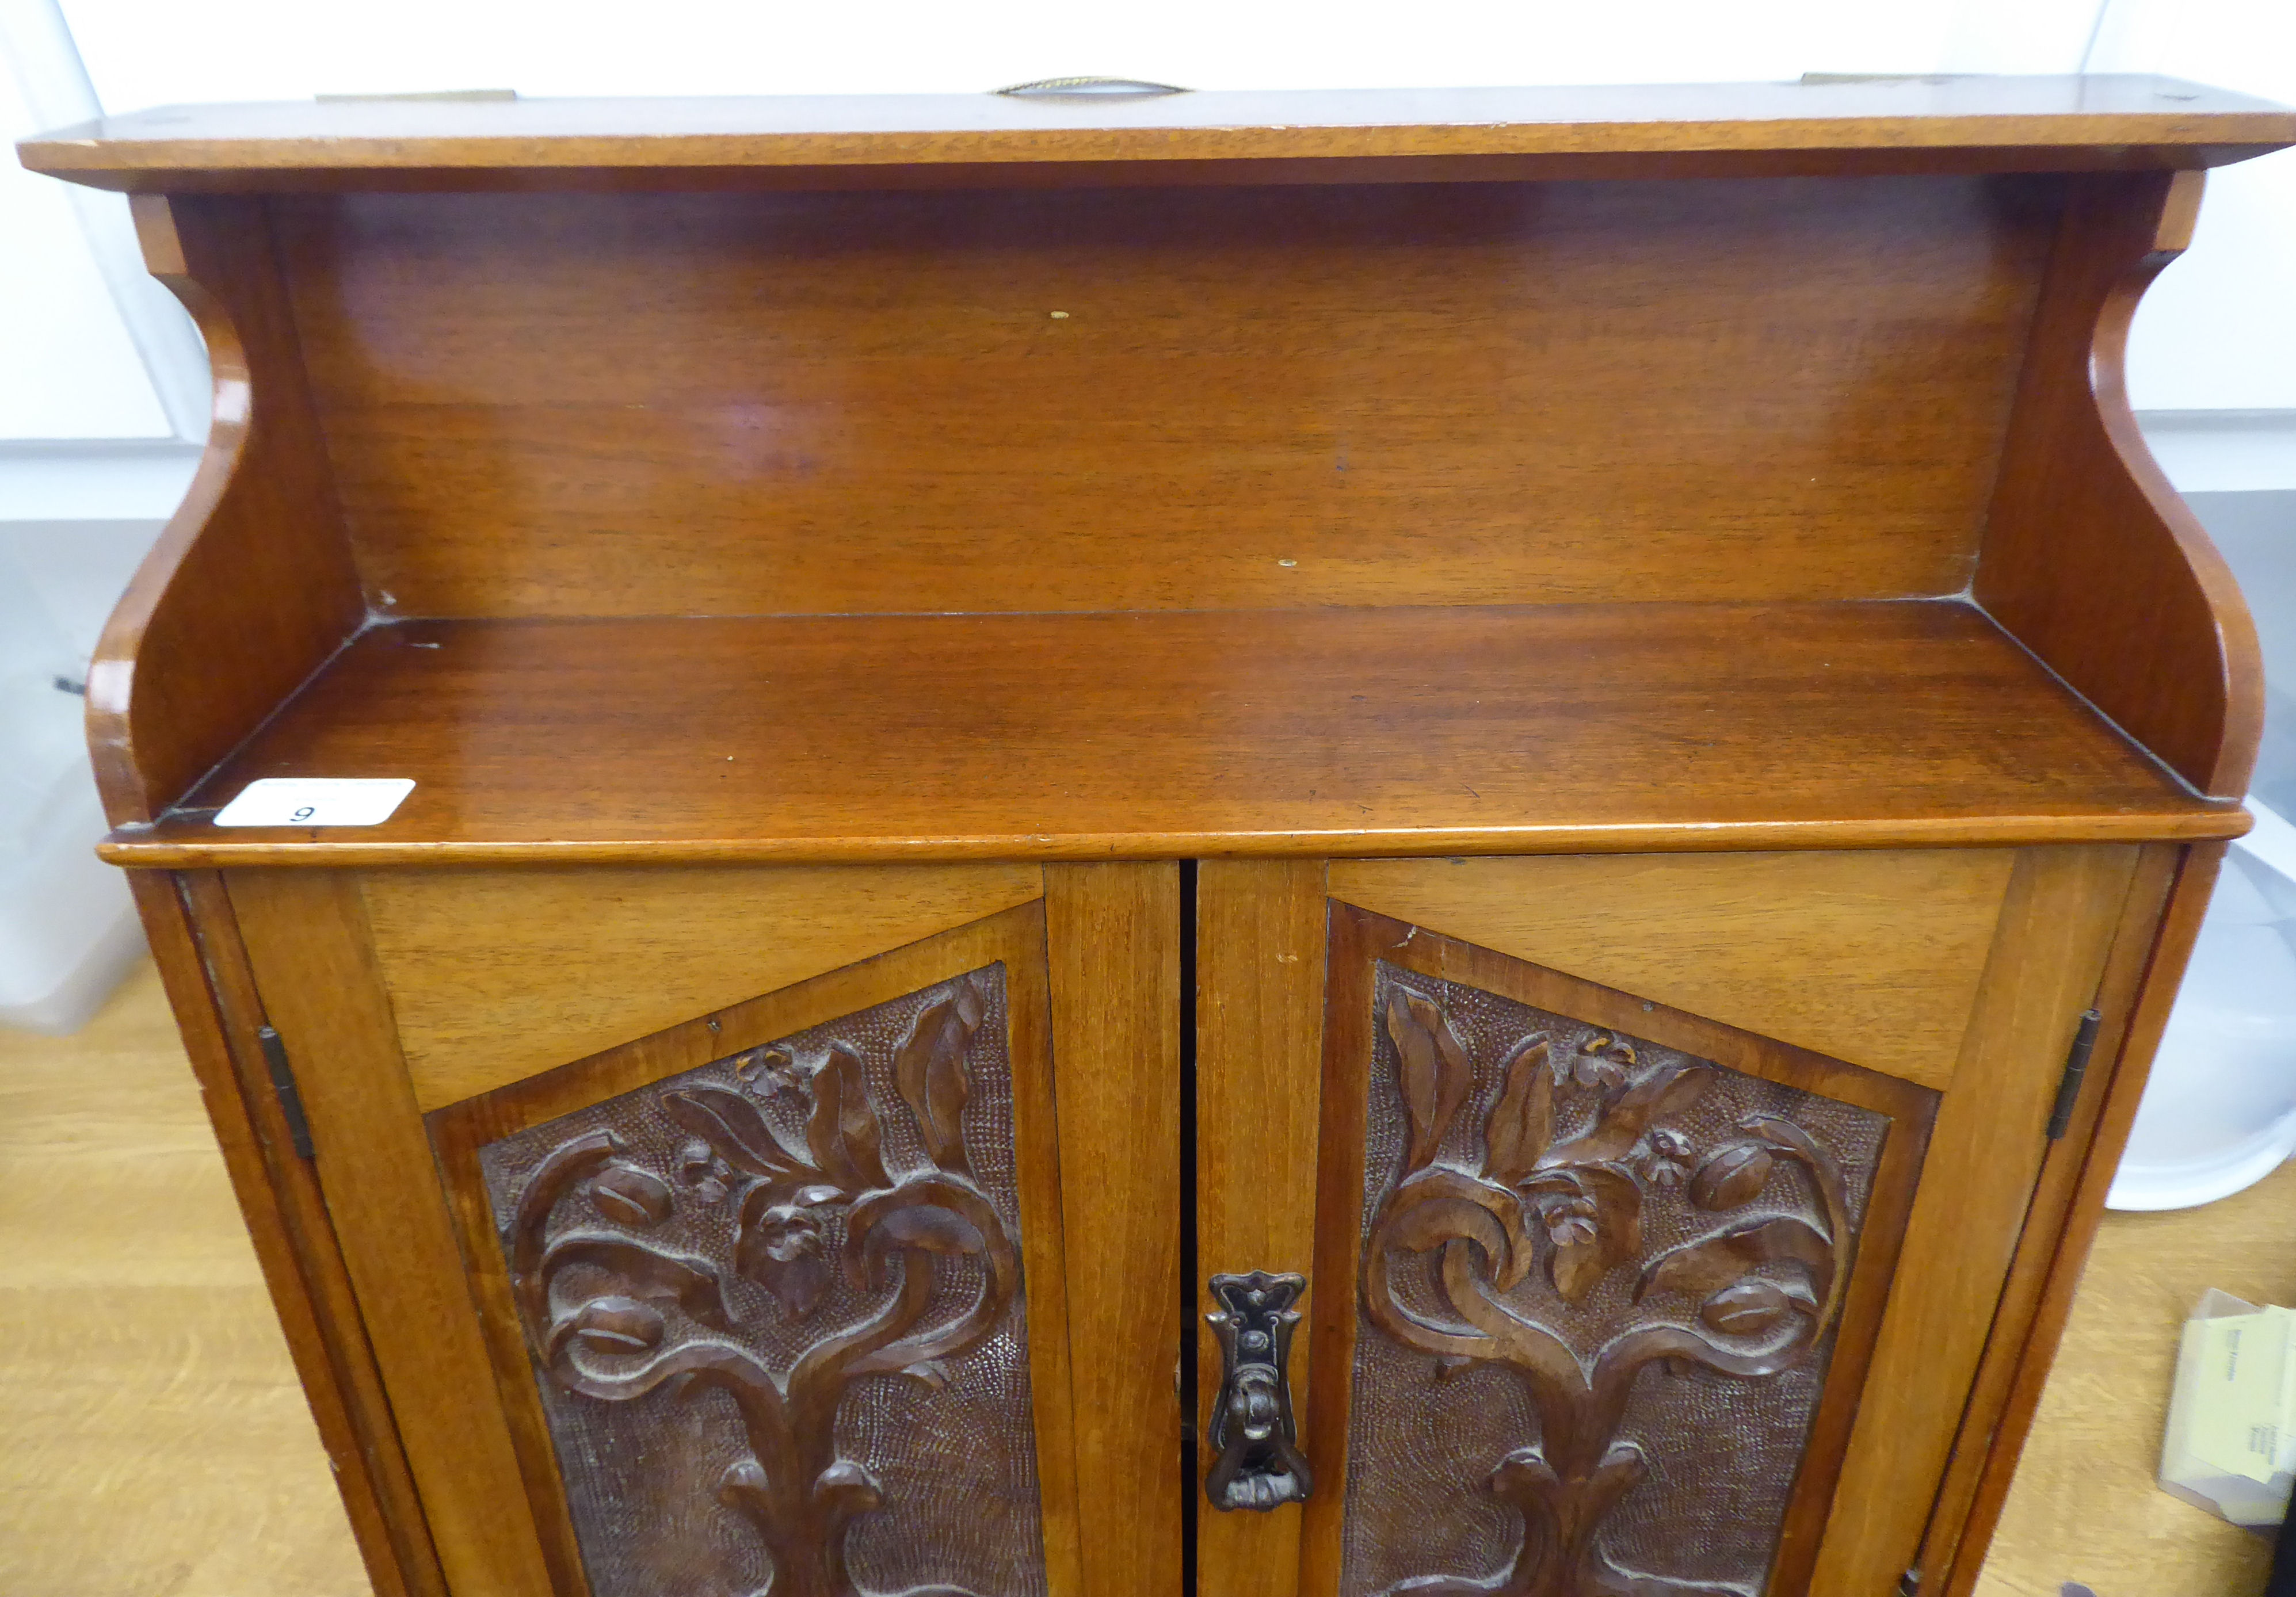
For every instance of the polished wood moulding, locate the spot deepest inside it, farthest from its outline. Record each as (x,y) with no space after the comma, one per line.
(1347,731)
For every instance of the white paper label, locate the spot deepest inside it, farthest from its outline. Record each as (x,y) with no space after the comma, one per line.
(315,801)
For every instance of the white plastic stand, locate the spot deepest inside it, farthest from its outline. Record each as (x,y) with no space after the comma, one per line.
(2219,1111)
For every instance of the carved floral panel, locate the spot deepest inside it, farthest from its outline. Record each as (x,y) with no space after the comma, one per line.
(1600,1286)
(774,1312)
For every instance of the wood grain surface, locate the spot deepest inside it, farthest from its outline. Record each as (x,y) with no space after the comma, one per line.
(1261,949)
(2090,557)
(496,975)
(1872,957)
(1985,1151)
(2168,120)
(1986,1444)
(1112,932)
(1353,942)
(2150,961)
(220,1015)
(1990,1433)
(1185,398)
(1602,729)
(250,587)
(308,943)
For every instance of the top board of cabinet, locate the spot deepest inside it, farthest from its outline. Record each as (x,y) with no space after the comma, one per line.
(1879,123)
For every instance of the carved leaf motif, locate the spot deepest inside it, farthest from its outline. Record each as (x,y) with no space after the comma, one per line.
(1443,1205)
(1662,1090)
(631,1195)
(928,1230)
(638,1270)
(1617,1212)
(1576,1268)
(780,1247)
(1424,1227)
(1523,1121)
(732,1125)
(617,1326)
(1747,1308)
(1434,1072)
(932,1213)
(842,1133)
(1702,1268)
(1732,1176)
(929,1068)
(929,1213)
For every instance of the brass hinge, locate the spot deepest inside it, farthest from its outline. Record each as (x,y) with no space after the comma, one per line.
(2076,1067)
(282,1083)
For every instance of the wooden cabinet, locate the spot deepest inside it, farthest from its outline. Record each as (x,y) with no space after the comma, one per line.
(1270,846)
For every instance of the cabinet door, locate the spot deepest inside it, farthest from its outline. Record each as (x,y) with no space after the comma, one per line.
(1650,1210)
(710,1227)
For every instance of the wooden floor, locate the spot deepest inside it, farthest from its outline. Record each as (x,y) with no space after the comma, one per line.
(2085,1507)
(153,1443)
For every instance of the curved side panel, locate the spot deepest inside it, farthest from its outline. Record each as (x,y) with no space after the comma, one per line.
(2091,560)
(251,587)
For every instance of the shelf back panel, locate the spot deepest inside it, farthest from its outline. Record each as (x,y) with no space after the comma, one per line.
(622,404)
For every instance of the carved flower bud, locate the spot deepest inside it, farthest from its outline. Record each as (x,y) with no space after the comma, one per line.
(618,1326)
(781,1249)
(1570,1219)
(767,1072)
(694,1157)
(700,1168)
(1746,1309)
(1731,1176)
(786,1233)
(633,1196)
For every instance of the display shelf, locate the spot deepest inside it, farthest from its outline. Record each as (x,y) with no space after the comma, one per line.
(1338,731)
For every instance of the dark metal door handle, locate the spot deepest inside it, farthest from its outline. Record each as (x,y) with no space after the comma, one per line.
(1259,1464)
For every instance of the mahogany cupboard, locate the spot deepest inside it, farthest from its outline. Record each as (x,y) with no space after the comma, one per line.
(1277,844)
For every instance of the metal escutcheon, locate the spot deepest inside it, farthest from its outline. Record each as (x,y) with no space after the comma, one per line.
(1260,1465)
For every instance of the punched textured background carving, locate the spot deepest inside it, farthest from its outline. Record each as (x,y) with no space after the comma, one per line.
(1563,1169)
(879,1146)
